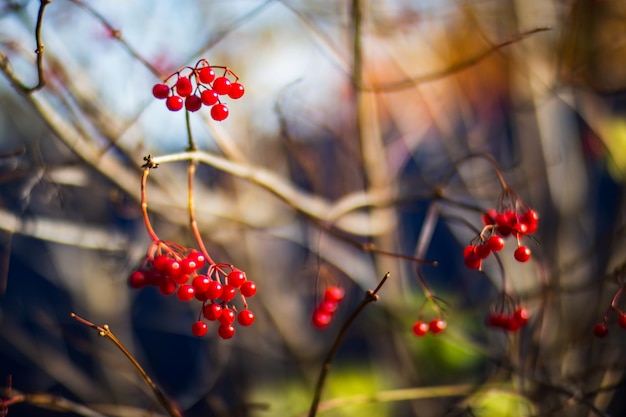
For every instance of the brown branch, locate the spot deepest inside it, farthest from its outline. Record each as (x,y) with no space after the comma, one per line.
(104,331)
(370,296)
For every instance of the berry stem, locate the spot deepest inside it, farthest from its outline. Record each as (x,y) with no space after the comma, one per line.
(370,296)
(192,144)
(105,331)
(191,173)
(144,201)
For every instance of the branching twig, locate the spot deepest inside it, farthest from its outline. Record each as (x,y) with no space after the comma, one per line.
(370,296)
(104,331)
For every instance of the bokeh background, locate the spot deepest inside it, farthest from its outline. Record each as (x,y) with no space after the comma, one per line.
(356,129)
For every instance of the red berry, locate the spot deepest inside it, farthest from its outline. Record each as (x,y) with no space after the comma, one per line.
(160,263)
(206,75)
(214,290)
(321,318)
(199,328)
(522,254)
(495,243)
(227,316)
(209,97)
(222,85)
(188,265)
(248,289)
(328,306)
(200,284)
(167,286)
(161,91)
(489,217)
(521,316)
(226,331)
(183,87)
(334,294)
(236,91)
(196,257)
(511,325)
(505,221)
(621,320)
(600,330)
(228,292)
(193,103)
(138,279)
(174,103)
(437,326)
(212,311)
(531,219)
(236,278)
(219,112)
(482,251)
(496,320)
(472,261)
(245,317)
(185,292)
(420,328)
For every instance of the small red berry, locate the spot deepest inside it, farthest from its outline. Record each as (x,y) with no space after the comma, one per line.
(328,306)
(199,328)
(183,87)
(214,290)
(521,316)
(228,292)
(334,294)
(495,243)
(496,320)
(522,254)
(167,286)
(482,251)
(471,260)
(621,320)
(206,75)
(196,257)
(161,91)
(138,279)
(245,317)
(174,103)
(227,316)
(420,328)
(248,289)
(531,219)
(236,278)
(489,217)
(209,97)
(185,292)
(236,91)
(321,318)
(600,330)
(222,85)
(219,112)
(212,311)
(226,331)
(437,326)
(193,103)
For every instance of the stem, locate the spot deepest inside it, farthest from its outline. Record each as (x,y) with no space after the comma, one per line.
(370,296)
(191,172)
(484,155)
(144,205)
(192,144)
(105,331)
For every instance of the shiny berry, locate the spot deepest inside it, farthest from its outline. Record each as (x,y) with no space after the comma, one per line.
(321,318)
(236,91)
(174,103)
(489,217)
(212,311)
(334,294)
(236,278)
(245,317)
(531,219)
(521,316)
(248,289)
(214,290)
(206,75)
(167,286)
(161,91)
(222,85)
(437,326)
(138,279)
(420,328)
(227,316)
(228,292)
(209,97)
(482,251)
(522,254)
(219,112)
(185,292)
(199,328)
(495,243)
(183,87)
(226,331)
(193,103)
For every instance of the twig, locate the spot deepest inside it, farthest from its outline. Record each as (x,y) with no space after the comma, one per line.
(104,331)
(370,296)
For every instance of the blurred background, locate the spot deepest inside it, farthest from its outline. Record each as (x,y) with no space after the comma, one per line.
(357,131)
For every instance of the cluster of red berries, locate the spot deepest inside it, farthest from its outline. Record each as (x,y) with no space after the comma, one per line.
(196,86)
(601,329)
(325,310)
(435,326)
(508,322)
(497,226)
(176,269)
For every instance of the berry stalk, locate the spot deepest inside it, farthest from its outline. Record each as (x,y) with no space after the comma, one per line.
(193,224)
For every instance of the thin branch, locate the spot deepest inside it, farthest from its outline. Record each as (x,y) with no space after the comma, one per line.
(104,331)
(370,296)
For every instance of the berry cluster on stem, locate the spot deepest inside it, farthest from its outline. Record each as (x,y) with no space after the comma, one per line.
(601,329)
(434,326)
(507,315)
(325,310)
(511,219)
(197,86)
